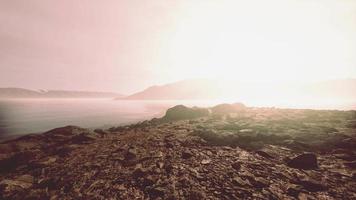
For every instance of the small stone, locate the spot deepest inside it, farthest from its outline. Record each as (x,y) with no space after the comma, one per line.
(157,192)
(205,161)
(187,154)
(294,190)
(236,166)
(160,165)
(120,187)
(49,161)
(260,182)
(197,195)
(264,154)
(149,180)
(240,182)
(130,154)
(138,172)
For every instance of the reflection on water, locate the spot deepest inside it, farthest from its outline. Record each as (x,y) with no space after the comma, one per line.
(39,115)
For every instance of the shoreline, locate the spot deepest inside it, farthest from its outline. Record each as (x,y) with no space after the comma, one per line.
(228,151)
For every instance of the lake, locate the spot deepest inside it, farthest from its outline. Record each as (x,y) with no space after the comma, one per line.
(23,116)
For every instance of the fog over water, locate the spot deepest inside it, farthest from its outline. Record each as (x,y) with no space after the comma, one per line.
(23,116)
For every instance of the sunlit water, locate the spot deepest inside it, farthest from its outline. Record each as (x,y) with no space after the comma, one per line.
(24,116)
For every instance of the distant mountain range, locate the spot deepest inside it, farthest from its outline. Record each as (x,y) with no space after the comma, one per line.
(25,93)
(205,89)
(344,89)
(181,90)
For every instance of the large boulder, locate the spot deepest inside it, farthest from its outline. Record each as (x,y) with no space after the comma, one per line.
(304,161)
(228,108)
(181,112)
(69,134)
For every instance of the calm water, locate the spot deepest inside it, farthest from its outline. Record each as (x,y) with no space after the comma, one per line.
(32,116)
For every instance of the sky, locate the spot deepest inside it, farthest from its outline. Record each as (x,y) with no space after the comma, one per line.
(126,46)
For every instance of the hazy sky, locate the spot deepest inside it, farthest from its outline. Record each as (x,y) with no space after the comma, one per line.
(125,46)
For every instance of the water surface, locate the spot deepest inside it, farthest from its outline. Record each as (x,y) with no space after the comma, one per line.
(23,116)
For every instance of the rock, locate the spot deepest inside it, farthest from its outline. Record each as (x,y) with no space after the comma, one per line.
(131,154)
(228,108)
(187,154)
(294,190)
(246,130)
(64,150)
(48,161)
(15,160)
(197,195)
(312,185)
(50,183)
(351,165)
(149,180)
(160,165)
(305,161)
(139,172)
(236,166)
(240,182)
(82,138)
(205,161)
(304,196)
(63,133)
(156,192)
(16,185)
(181,112)
(260,182)
(101,132)
(264,154)
(346,157)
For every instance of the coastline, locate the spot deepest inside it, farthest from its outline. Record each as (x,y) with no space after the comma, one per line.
(224,152)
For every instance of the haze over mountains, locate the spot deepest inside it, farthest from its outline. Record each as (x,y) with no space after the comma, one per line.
(210,89)
(25,93)
(181,90)
(330,92)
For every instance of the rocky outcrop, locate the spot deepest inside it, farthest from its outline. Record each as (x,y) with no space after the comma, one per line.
(228,108)
(181,112)
(242,157)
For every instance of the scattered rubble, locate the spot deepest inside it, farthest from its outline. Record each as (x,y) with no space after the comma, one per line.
(285,154)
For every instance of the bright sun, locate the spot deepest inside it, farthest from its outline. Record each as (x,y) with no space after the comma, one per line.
(256,41)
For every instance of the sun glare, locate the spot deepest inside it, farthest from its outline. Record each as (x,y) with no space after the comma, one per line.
(251,41)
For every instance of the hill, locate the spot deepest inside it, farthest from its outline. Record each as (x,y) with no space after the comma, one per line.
(25,93)
(340,90)
(182,90)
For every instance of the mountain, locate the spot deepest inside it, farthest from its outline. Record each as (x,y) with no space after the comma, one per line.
(203,89)
(182,90)
(25,93)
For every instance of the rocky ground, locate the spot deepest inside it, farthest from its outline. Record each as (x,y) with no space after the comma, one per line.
(225,152)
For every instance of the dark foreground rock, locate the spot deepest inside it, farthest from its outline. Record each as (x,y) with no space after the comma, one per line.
(304,161)
(245,156)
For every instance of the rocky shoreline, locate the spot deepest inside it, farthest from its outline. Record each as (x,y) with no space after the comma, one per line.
(225,152)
